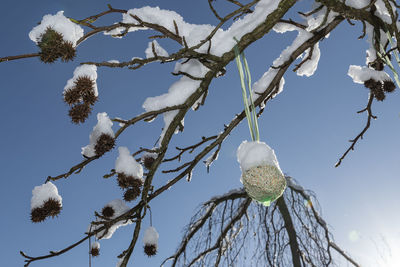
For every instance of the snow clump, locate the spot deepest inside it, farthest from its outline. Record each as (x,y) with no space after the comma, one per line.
(127,164)
(159,51)
(70,31)
(103,127)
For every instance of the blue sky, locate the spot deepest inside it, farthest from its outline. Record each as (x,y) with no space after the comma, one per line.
(308,125)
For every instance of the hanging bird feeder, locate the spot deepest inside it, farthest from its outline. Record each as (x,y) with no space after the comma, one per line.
(261,177)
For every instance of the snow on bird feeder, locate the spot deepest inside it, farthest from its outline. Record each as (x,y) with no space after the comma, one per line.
(262,178)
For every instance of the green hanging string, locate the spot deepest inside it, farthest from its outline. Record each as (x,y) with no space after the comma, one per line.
(382,54)
(245,77)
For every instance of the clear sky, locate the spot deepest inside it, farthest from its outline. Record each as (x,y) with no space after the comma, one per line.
(308,125)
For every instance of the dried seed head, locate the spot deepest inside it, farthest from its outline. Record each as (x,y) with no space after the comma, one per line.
(372,84)
(38,215)
(95,251)
(148,161)
(72,96)
(67,51)
(108,211)
(132,193)
(52,207)
(389,86)
(89,97)
(150,250)
(79,113)
(104,144)
(379,94)
(126,181)
(49,44)
(84,83)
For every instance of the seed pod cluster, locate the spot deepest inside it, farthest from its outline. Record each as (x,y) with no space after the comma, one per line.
(53,46)
(81,97)
(148,160)
(104,144)
(95,249)
(131,184)
(380,88)
(108,211)
(50,208)
(150,250)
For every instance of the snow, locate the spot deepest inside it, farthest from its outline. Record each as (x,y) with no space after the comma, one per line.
(103,126)
(95,245)
(357,3)
(157,48)
(253,153)
(361,74)
(115,32)
(178,92)
(120,208)
(262,84)
(113,61)
(151,236)
(84,70)
(71,32)
(382,12)
(42,193)
(127,164)
(310,66)
(211,159)
(222,41)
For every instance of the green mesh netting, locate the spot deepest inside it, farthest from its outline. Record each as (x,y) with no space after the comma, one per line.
(264,183)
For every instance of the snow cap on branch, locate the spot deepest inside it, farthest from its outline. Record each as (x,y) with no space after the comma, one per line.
(41,193)
(70,31)
(361,74)
(127,164)
(157,49)
(103,127)
(119,208)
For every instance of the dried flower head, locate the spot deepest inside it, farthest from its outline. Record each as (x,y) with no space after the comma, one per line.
(67,51)
(388,86)
(52,46)
(126,181)
(95,251)
(148,161)
(72,96)
(52,207)
(131,194)
(38,215)
(84,83)
(108,211)
(379,94)
(79,113)
(49,45)
(150,250)
(372,84)
(104,144)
